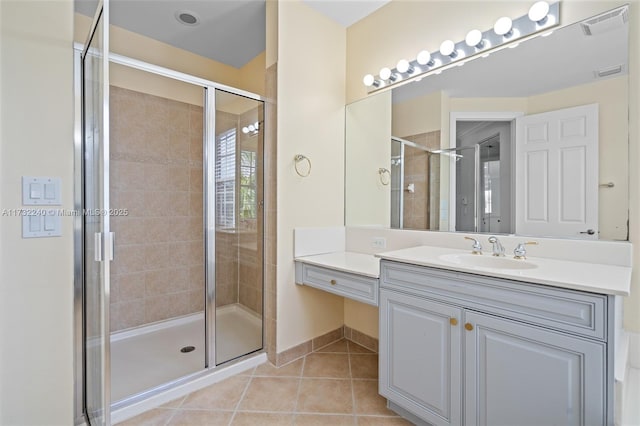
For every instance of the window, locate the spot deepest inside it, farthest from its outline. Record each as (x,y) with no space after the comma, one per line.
(226,179)
(247,185)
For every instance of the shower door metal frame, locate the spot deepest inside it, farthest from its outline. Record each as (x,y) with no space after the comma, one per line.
(209,159)
(404,143)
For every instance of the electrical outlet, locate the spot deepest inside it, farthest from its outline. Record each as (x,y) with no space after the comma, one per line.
(379,242)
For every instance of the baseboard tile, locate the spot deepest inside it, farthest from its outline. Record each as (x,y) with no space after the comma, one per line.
(305,348)
(361,339)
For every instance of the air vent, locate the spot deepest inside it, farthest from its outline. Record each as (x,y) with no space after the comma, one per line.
(606,22)
(606,72)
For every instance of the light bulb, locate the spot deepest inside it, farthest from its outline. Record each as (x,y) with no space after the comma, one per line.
(256,125)
(251,128)
(368,80)
(539,11)
(503,26)
(448,48)
(404,66)
(385,73)
(424,58)
(474,39)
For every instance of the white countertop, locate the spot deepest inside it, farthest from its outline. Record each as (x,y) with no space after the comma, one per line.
(591,277)
(346,261)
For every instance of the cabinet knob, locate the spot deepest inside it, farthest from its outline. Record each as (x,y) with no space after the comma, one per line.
(453,321)
(468,326)
(333,282)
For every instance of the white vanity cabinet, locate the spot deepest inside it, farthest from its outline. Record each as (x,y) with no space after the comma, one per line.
(459,348)
(347,274)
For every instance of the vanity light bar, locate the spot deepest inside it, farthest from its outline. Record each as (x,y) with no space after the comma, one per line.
(541,17)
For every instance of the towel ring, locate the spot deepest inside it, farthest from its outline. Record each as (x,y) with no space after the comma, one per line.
(298,159)
(382,171)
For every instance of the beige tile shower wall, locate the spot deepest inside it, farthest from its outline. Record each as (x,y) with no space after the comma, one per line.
(417,212)
(251,247)
(271,207)
(226,267)
(239,250)
(156,173)
(250,277)
(227,240)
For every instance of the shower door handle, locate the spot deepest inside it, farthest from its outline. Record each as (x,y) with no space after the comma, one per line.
(112,245)
(97,247)
(108,248)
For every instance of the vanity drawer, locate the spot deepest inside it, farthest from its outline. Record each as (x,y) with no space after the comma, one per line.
(353,286)
(566,310)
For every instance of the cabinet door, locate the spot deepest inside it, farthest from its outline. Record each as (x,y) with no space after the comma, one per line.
(420,360)
(517,374)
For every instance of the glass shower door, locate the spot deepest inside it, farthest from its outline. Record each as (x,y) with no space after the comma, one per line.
(97,239)
(490,218)
(397,184)
(466,189)
(235,225)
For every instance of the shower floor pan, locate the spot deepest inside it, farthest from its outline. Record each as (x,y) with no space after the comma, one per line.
(149,356)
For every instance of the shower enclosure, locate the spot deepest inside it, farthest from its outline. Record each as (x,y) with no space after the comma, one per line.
(415,185)
(169,245)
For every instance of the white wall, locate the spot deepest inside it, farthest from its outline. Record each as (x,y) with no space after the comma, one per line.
(36,275)
(311,88)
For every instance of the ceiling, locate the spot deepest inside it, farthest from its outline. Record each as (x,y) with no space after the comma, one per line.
(227,31)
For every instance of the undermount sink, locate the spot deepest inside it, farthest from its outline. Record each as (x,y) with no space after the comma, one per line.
(484,261)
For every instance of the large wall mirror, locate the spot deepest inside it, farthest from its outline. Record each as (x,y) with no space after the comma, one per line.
(529,140)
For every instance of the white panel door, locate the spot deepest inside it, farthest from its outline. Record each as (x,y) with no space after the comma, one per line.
(420,357)
(557,173)
(517,374)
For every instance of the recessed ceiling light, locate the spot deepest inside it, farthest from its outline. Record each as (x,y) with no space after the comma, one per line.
(187,18)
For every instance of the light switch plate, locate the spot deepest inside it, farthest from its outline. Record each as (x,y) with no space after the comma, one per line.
(41,223)
(41,191)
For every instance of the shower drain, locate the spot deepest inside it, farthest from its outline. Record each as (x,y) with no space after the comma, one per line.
(188,349)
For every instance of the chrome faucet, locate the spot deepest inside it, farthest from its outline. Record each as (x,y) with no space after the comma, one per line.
(477,247)
(498,248)
(520,252)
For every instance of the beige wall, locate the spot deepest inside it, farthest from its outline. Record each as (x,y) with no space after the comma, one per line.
(368,150)
(418,115)
(402,28)
(36,275)
(311,87)
(153,84)
(632,303)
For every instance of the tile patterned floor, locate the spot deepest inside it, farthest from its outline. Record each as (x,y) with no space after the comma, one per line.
(336,385)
